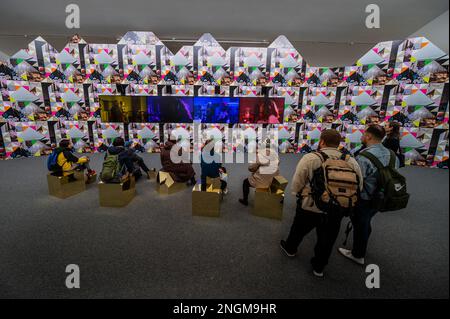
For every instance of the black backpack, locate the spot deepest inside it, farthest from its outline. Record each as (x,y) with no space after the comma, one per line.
(391,194)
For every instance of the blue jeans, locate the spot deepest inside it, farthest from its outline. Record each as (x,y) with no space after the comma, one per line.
(362,227)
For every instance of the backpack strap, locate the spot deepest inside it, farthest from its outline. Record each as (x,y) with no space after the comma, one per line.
(345,157)
(392,160)
(375,161)
(323,157)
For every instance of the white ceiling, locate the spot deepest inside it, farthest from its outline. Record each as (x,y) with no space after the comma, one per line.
(321,30)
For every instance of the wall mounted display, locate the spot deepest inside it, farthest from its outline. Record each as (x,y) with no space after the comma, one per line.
(291,95)
(27,139)
(287,66)
(170,109)
(183,133)
(249,66)
(309,135)
(220,133)
(283,135)
(71,64)
(77,132)
(68,102)
(146,136)
(261,110)
(216,110)
(420,105)
(24,101)
(105,133)
(324,77)
(402,80)
(93,94)
(245,137)
(124,109)
(320,105)
(102,64)
(211,62)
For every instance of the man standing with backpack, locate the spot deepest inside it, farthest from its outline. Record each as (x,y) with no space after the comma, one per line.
(384,189)
(327,184)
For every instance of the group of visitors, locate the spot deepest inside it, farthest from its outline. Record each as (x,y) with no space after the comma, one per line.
(329,184)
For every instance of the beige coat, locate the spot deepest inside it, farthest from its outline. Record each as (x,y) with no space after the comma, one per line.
(304,173)
(264,170)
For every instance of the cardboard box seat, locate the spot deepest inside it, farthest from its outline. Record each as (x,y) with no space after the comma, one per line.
(206,203)
(166,185)
(214,182)
(269,202)
(117,194)
(66,186)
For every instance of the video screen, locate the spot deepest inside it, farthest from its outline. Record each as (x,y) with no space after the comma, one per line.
(123,109)
(261,110)
(216,110)
(170,109)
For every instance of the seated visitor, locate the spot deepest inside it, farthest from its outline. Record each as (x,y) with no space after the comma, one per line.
(262,172)
(182,172)
(212,167)
(118,164)
(138,161)
(63,162)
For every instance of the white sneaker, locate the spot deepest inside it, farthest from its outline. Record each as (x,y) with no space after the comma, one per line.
(318,274)
(348,253)
(225,191)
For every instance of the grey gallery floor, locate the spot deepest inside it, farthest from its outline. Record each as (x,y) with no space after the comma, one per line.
(154,248)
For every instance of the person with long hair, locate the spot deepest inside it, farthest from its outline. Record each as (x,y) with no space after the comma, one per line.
(392,140)
(268,112)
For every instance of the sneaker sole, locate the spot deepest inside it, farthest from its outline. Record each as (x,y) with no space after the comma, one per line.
(286,253)
(350,258)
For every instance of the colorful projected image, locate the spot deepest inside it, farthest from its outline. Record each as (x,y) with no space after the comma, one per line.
(261,110)
(170,109)
(123,109)
(145,137)
(77,132)
(216,110)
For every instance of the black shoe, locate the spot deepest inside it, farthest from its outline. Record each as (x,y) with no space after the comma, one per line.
(283,248)
(243,202)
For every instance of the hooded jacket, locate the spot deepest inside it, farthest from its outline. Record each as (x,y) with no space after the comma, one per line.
(124,157)
(180,172)
(264,170)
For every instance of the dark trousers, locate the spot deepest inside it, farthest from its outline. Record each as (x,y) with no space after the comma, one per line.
(140,161)
(362,227)
(246,189)
(327,228)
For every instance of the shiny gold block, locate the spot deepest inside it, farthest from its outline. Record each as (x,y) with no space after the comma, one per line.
(117,195)
(206,203)
(215,182)
(268,204)
(166,185)
(63,186)
(278,183)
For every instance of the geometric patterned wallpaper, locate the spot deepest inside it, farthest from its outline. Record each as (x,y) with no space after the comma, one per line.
(48,95)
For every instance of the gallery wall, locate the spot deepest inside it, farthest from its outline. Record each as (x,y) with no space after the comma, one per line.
(49,95)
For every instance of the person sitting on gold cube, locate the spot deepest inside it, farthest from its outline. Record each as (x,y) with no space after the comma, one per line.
(67,163)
